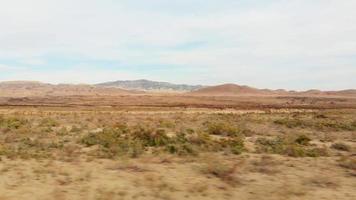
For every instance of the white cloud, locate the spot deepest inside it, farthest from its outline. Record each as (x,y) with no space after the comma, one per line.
(248,42)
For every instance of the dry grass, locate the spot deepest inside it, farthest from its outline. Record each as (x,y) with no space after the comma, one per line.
(100,154)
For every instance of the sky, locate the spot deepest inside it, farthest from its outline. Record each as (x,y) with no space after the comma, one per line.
(291,44)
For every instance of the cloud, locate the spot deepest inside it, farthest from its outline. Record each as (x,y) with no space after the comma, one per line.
(268,43)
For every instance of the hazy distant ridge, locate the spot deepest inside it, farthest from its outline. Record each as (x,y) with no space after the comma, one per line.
(148,85)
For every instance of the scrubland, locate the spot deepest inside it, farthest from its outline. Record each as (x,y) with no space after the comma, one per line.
(99,154)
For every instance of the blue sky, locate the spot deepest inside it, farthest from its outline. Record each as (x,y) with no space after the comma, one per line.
(292,44)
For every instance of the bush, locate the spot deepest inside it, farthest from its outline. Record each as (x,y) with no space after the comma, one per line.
(348,163)
(107,138)
(317,152)
(274,146)
(12,123)
(303,140)
(341,146)
(150,137)
(317,123)
(222,170)
(291,123)
(49,122)
(234,145)
(294,151)
(181,149)
(114,142)
(285,147)
(223,128)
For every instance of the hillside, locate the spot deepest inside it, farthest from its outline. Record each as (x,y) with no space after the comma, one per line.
(237,90)
(147,85)
(31,88)
(230,90)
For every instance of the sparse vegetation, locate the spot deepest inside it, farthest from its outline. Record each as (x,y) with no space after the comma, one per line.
(295,148)
(341,146)
(222,170)
(210,153)
(223,129)
(317,123)
(348,162)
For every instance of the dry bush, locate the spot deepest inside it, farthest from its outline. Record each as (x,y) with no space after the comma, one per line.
(348,162)
(48,122)
(225,171)
(293,148)
(265,165)
(223,128)
(323,182)
(317,123)
(341,146)
(12,123)
(302,140)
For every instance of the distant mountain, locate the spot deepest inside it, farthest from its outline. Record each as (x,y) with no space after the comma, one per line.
(147,85)
(33,88)
(350,92)
(238,90)
(230,90)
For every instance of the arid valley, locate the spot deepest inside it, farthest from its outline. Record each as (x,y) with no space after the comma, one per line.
(219,142)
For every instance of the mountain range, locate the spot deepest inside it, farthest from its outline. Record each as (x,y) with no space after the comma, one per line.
(32,88)
(147,85)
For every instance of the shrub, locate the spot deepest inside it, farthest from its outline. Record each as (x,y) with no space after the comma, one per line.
(107,138)
(75,129)
(303,140)
(291,123)
(234,145)
(166,124)
(317,123)
(348,163)
(12,123)
(150,137)
(49,122)
(222,170)
(294,151)
(113,143)
(317,152)
(285,147)
(181,149)
(222,128)
(275,146)
(341,146)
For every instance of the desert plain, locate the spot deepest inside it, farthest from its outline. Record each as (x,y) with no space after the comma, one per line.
(87,143)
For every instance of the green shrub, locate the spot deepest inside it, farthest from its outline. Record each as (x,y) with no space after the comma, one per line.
(114,142)
(223,128)
(181,149)
(317,123)
(12,123)
(234,145)
(166,124)
(294,151)
(49,122)
(291,148)
(150,137)
(274,146)
(107,138)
